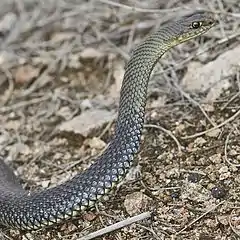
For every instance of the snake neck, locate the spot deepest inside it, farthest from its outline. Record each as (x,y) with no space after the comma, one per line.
(133,93)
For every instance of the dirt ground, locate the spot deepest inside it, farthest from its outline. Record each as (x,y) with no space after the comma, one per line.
(61,67)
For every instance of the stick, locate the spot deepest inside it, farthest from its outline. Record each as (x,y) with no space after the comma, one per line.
(225,150)
(204,214)
(167,132)
(216,127)
(137,9)
(117,226)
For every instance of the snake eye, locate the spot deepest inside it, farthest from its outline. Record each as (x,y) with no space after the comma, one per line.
(196,25)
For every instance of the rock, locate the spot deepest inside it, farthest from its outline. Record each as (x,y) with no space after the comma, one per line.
(216,158)
(214,75)
(224,219)
(7,22)
(89,216)
(86,104)
(87,121)
(200,141)
(218,192)
(96,143)
(135,202)
(18,148)
(224,173)
(64,112)
(213,133)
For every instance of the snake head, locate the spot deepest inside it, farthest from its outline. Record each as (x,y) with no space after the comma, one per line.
(192,25)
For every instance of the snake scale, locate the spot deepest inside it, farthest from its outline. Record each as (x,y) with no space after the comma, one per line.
(31,211)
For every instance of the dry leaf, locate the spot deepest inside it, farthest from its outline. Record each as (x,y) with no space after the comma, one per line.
(7,22)
(26,73)
(91,53)
(62,36)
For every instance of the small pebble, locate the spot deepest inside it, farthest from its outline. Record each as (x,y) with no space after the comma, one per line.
(90,216)
(193,177)
(136,202)
(175,194)
(199,141)
(218,192)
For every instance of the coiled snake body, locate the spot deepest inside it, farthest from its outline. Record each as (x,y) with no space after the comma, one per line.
(21,210)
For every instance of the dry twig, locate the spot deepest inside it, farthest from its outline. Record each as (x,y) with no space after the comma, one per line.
(200,217)
(190,99)
(216,127)
(10,88)
(24,103)
(225,150)
(117,226)
(143,10)
(167,132)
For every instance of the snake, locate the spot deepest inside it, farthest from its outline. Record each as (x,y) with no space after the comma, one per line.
(24,210)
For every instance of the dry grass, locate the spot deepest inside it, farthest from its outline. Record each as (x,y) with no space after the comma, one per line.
(52,38)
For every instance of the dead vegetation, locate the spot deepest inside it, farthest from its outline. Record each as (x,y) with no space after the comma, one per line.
(61,65)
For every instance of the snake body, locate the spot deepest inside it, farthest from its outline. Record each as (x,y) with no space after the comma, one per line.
(31,211)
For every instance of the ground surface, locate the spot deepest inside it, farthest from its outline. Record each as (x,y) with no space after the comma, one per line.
(58,59)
